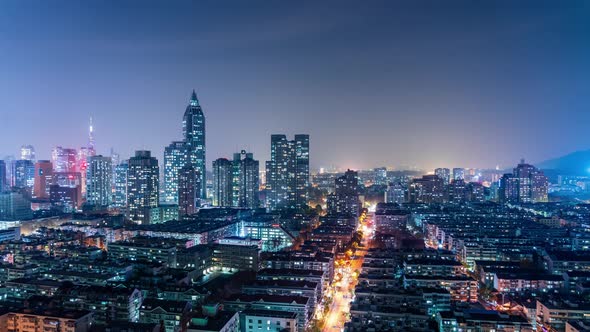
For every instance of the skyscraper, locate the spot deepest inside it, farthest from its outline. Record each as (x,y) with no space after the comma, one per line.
(120,196)
(24,173)
(396,193)
(458,174)
(43,178)
(3,177)
(142,186)
(193,127)
(444,174)
(527,184)
(287,173)
(98,181)
(245,180)
(380,176)
(27,152)
(188,185)
(175,158)
(222,182)
(64,159)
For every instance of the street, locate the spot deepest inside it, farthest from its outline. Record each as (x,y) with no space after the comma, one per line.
(342,289)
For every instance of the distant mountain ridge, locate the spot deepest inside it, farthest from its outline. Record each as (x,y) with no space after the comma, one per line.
(577,163)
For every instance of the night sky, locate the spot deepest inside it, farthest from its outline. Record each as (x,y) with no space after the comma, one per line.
(417,83)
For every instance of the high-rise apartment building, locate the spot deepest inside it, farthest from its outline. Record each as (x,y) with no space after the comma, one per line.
(43,178)
(120,195)
(98,181)
(193,127)
(245,180)
(222,182)
(444,174)
(188,185)
(428,189)
(526,184)
(380,176)
(142,186)
(345,199)
(3,176)
(287,173)
(458,173)
(175,158)
(396,193)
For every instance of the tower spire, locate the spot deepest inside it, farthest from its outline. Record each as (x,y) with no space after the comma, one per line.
(91,135)
(194,100)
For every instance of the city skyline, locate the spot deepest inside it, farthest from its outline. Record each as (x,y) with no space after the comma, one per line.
(429,92)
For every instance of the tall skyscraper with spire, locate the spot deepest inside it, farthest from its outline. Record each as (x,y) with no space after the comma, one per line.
(193,128)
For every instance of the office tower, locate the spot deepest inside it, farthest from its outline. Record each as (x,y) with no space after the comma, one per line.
(3,177)
(345,199)
(193,127)
(396,193)
(428,189)
(27,152)
(287,173)
(245,180)
(188,185)
(98,181)
(444,174)
(120,196)
(64,159)
(458,174)
(380,176)
(222,182)
(142,186)
(175,158)
(43,178)
(24,173)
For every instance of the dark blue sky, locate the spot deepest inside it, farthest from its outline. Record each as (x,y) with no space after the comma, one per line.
(467,83)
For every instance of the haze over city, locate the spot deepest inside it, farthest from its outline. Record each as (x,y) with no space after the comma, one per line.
(389,83)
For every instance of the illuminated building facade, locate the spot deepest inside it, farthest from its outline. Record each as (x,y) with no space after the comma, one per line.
(120,194)
(142,186)
(458,174)
(287,173)
(98,181)
(24,173)
(27,152)
(428,189)
(64,159)
(193,127)
(443,173)
(175,158)
(222,182)
(245,181)
(527,184)
(345,200)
